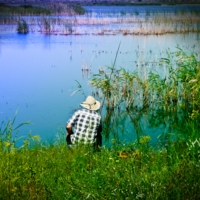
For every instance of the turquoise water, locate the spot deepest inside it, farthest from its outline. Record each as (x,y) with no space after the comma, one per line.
(38,73)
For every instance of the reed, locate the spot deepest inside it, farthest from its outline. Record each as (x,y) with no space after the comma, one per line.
(22,27)
(179,84)
(154,24)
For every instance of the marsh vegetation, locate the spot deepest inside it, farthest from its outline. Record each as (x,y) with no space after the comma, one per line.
(168,97)
(134,23)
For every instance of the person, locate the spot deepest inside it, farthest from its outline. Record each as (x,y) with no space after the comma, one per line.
(86,123)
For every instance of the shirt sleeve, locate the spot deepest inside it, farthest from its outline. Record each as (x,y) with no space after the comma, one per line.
(73,119)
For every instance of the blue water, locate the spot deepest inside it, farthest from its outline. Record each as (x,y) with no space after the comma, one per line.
(38,71)
(141,9)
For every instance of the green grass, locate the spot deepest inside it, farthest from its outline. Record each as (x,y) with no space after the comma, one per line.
(134,171)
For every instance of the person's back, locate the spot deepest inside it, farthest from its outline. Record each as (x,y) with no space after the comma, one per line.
(86,123)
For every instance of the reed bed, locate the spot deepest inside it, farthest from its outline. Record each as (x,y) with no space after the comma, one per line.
(177,86)
(132,24)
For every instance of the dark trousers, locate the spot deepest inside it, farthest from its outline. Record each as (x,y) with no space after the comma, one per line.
(98,142)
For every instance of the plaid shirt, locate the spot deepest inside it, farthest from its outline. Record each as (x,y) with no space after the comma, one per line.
(86,123)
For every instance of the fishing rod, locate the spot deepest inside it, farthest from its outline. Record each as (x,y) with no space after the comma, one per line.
(110,75)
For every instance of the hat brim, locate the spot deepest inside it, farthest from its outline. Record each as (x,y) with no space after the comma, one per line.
(92,107)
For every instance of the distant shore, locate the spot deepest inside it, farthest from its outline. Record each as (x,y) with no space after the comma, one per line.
(137,4)
(82,3)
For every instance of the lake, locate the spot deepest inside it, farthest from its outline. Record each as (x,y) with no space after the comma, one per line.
(38,73)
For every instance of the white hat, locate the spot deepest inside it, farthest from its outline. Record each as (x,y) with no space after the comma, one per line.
(91,104)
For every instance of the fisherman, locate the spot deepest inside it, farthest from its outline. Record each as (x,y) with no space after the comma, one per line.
(86,123)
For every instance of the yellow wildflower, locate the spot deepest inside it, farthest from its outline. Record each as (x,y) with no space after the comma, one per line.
(7,144)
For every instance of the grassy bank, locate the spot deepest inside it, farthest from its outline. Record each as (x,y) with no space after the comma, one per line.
(134,171)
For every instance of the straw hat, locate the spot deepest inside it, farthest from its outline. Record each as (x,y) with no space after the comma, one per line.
(90,103)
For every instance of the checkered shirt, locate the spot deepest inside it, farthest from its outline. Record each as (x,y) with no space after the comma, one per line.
(86,125)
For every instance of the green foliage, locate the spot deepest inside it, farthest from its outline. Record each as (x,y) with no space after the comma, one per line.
(181,83)
(38,10)
(147,13)
(22,27)
(80,89)
(52,171)
(122,12)
(24,10)
(137,12)
(7,142)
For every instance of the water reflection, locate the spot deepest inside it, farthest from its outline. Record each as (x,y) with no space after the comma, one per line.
(47,41)
(85,73)
(160,124)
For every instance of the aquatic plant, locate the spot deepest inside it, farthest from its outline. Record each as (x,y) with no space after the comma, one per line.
(122,12)
(147,13)
(22,27)
(46,25)
(137,12)
(80,89)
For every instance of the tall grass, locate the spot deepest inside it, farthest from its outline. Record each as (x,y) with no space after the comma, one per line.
(178,86)
(51,171)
